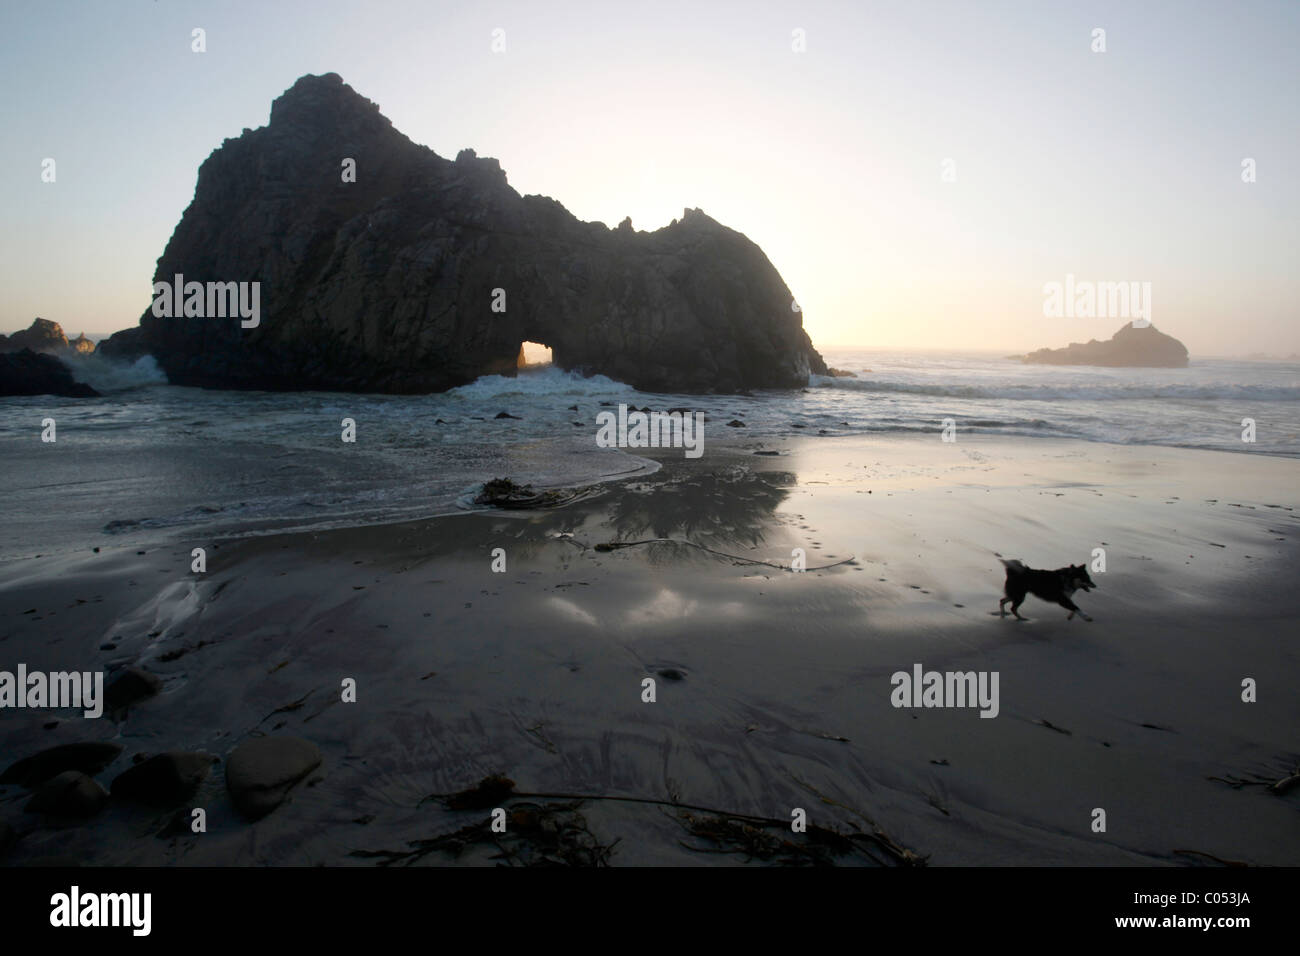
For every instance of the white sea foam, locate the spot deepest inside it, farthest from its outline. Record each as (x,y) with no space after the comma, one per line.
(164,460)
(541,383)
(106,375)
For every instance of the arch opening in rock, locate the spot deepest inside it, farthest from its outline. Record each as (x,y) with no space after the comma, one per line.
(533,355)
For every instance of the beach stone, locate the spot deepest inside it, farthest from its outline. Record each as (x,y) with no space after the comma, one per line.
(131,686)
(70,794)
(261,771)
(86,757)
(165,779)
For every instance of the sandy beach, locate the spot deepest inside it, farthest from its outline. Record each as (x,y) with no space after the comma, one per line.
(772,688)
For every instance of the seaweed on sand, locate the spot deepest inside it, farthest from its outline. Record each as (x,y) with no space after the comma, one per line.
(556,834)
(767,840)
(509,494)
(536,834)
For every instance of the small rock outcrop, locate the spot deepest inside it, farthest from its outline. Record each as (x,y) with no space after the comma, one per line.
(31,362)
(1129,347)
(46,336)
(41,336)
(419,273)
(82,345)
(32,373)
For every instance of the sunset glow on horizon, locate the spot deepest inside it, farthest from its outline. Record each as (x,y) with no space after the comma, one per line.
(916,173)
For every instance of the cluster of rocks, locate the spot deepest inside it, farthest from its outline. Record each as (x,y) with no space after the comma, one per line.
(46,336)
(31,361)
(259,772)
(421,273)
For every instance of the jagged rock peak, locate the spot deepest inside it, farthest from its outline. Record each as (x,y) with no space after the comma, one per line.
(323,101)
(41,336)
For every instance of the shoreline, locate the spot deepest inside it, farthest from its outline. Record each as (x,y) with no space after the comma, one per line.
(773,687)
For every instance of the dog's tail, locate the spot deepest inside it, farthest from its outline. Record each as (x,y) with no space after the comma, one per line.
(1014,566)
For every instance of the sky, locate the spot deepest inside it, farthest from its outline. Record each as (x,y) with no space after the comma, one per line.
(917,171)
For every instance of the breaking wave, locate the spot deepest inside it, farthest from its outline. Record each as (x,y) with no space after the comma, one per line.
(1073,392)
(106,375)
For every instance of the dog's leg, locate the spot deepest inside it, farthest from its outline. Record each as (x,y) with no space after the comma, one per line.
(1065,602)
(1015,608)
(1002,606)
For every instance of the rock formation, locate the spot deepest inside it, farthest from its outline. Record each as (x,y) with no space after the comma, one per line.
(41,336)
(31,362)
(82,345)
(1140,347)
(390,282)
(33,373)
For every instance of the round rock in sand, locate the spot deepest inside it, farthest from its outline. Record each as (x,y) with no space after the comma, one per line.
(70,794)
(261,771)
(165,779)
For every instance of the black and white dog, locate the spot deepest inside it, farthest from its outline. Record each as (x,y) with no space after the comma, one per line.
(1055,586)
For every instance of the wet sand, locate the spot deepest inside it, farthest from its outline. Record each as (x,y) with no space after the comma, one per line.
(773,689)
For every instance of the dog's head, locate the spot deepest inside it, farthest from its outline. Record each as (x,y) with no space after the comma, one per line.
(1077,578)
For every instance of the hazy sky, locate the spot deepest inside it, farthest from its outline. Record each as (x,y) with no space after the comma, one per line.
(1122,165)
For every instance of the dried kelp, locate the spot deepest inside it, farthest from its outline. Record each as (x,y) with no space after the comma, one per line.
(536,834)
(542,834)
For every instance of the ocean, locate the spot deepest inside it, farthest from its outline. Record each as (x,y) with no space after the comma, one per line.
(151,462)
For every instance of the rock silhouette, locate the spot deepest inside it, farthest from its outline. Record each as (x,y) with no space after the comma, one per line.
(1133,347)
(32,373)
(425,273)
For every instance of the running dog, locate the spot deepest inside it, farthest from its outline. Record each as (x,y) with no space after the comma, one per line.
(1055,586)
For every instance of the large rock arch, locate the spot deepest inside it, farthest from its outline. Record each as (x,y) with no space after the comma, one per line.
(387,283)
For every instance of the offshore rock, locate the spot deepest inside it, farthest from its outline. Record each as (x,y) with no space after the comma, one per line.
(1131,347)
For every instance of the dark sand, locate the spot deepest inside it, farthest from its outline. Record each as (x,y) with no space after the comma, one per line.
(783,689)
